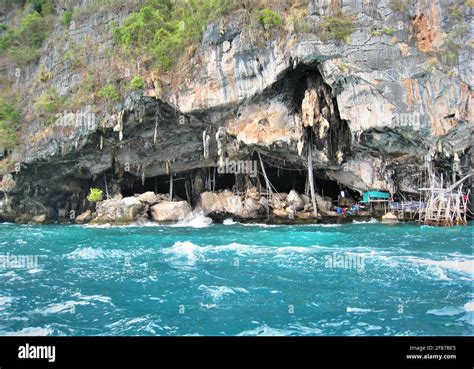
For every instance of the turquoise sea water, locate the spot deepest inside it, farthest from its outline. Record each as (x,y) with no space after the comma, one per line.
(212,279)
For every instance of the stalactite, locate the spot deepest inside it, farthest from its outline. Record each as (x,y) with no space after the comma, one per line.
(221,136)
(101,142)
(156,131)
(205,143)
(120,120)
(311,181)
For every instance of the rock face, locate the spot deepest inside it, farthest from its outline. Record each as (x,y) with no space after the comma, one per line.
(38,219)
(127,209)
(149,197)
(85,217)
(389,218)
(295,200)
(167,211)
(373,108)
(225,204)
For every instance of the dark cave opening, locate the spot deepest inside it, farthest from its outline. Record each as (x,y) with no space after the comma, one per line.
(158,184)
(327,187)
(224,181)
(131,185)
(285,180)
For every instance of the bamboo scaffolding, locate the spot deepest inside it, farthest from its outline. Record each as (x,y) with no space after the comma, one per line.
(267,181)
(444,206)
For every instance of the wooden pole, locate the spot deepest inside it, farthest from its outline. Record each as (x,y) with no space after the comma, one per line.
(171,186)
(267,182)
(186,187)
(311,181)
(106,188)
(214,180)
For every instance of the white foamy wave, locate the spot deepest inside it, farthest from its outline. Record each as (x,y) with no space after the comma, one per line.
(218,292)
(461,266)
(297,249)
(356,310)
(371,221)
(35,270)
(325,225)
(184,251)
(265,330)
(229,221)
(191,252)
(63,307)
(439,273)
(198,220)
(5,300)
(31,331)
(469,306)
(292,330)
(262,225)
(445,311)
(95,253)
(100,298)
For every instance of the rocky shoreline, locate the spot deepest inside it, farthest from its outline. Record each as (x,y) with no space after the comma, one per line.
(248,207)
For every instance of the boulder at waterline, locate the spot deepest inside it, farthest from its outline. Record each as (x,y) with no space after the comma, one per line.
(167,211)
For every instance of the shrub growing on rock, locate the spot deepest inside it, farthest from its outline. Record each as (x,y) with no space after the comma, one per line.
(339,28)
(24,42)
(161,30)
(9,120)
(109,92)
(268,18)
(137,83)
(95,195)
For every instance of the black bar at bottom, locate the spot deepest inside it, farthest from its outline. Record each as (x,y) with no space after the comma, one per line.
(237,352)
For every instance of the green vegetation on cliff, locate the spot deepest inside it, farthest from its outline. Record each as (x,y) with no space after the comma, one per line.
(269,18)
(109,92)
(161,29)
(137,83)
(23,43)
(339,28)
(9,121)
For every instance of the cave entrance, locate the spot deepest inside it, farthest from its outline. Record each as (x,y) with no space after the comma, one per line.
(285,180)
(338,193)
(224,181)
(183,183)
(158,184)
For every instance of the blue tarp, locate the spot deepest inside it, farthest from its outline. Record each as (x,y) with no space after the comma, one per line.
(375,195)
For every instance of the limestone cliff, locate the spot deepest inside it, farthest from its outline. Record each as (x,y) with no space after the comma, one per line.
(373,107)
